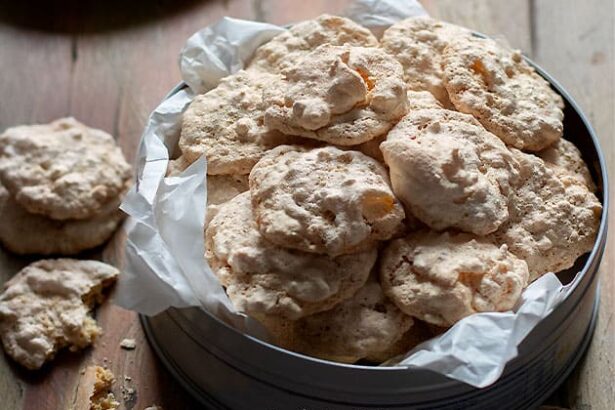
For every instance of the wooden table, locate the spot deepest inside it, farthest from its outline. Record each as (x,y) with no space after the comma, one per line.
(109,64)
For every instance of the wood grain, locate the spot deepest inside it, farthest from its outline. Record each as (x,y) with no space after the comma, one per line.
(110,68)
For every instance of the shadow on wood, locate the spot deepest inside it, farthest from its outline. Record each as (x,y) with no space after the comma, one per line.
(88,16)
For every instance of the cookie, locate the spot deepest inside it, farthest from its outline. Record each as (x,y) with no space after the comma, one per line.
(25,233)
(418,333)
(263,279)
(222,188)
(62,170)
(286,49)
(45,307)
(226,125)
(498,87)
(338,94)
(418,43)
(323,200)
(553,217)
(366,325)
(442,278)
(564,157)
(94,391)
(449,171)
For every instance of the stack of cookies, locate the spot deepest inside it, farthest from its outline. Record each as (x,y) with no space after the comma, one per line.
(60,187)
(365,194)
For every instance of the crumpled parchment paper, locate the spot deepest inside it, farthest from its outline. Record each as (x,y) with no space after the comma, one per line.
(165,266)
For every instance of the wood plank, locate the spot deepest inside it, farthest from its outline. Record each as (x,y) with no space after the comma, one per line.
(280,12)
(507,18)
(574,42)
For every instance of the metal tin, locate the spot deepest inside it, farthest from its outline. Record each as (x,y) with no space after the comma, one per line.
(224,368)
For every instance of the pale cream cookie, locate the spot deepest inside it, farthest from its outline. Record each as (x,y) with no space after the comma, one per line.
(418,43)
(442,278)
(323,200)
(46,306)
(366,325)
(416,100)
(564,157)
(63,170)
(25,233)
(338,94)
(449,171)
(223,188)
(554,218)
(498,87)
(286,49)
(226,125)
(263,279)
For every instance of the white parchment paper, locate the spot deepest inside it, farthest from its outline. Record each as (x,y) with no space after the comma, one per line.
(165,266)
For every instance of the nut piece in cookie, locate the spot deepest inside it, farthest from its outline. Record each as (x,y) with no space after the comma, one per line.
(286,49)
(564,157)
(263,279)
(366,325)
(226,125)
(323,200)
(418,43)
(554,218)
(45,307)
(63,170)
(442,278)
(498,87)
(449,171)
(25,233)
(340,95)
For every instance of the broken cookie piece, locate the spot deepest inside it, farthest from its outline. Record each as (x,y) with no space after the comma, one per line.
(46,306)
(94,391)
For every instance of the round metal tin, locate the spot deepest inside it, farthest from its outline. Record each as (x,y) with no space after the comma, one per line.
(224,368)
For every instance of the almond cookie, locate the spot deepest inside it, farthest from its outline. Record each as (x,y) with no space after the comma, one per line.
(442,278)
(564,157)
(416,100)
(418,43)
(263,279)
(323,200)
(226,125)
(223,188)
(286,49)
(449,171)
(340,95)
(45,307)
(554,218)
(63,170)
(25,233)
(498,87)
(367,324)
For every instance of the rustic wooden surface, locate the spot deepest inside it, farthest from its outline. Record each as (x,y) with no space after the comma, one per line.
(109,63)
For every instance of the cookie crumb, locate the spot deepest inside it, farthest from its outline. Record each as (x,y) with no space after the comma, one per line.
(128,344)
(154,407)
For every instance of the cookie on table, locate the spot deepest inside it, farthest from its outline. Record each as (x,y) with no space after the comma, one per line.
(338,94)
(45,307)
(564,157)
(226,125)
(323,200)
(418,43)
(449,171)
(24,233)
(366,325)
(263,279)
(286,49)
(62,170)
(554,217)
(441,278)
(498,87)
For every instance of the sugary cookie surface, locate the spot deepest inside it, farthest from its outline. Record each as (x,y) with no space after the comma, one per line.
(45,307)
(442,278)
(323,200)
(63,170)
(265,279)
